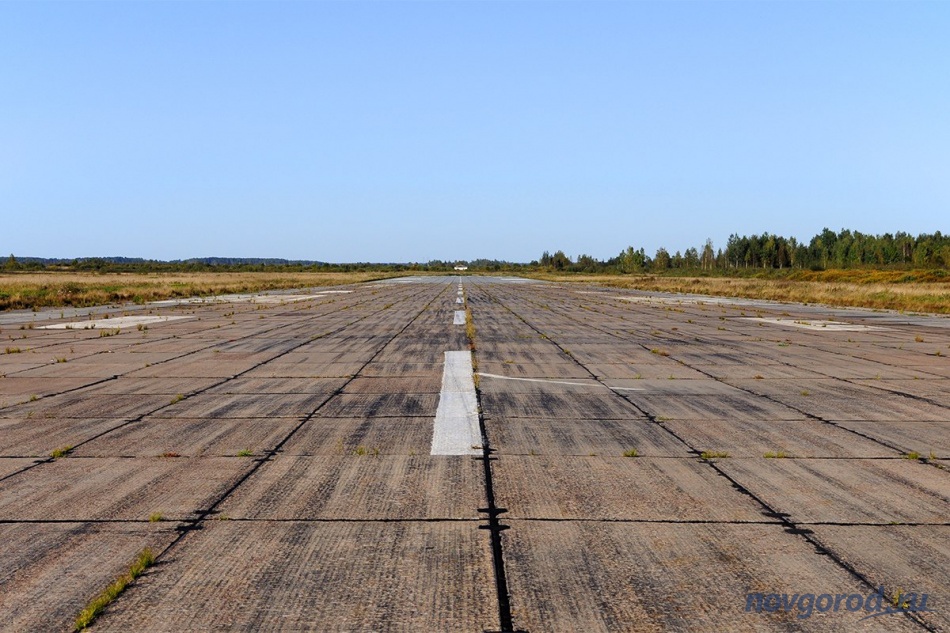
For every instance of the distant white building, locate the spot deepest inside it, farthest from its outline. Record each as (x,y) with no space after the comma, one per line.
(461,268)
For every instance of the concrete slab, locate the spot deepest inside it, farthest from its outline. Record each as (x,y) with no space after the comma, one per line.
(713,407)
(81,406)
(278,369)
(836,400)
(755,438)
(847,491)
(402,369)
(10,465)
(343,436)
(643,371)
(27,386)
(912,558)
(429,383)
(597,576)
(260,405)
(508,404)
(195,369)
(753,371)
(907,435)
(37,437)
(50,572)
(127,385)
(86,489)
(618,488)
(82,368)
(318,576)
(361,487)
(191,437)
(382,405)
(581,437)
(935,389)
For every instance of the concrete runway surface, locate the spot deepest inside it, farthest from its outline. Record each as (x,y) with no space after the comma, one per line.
(323,460)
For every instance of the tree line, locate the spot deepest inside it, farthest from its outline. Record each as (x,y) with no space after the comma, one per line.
(826,250)
(845,249)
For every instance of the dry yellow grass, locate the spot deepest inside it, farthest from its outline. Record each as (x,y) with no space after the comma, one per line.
(867,292)
(36,290)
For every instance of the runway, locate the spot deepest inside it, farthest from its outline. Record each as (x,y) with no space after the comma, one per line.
(567,458)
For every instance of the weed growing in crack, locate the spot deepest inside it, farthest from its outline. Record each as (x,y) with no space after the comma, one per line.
(87,616)
(62,451)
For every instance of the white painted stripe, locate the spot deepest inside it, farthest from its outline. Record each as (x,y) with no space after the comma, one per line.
(553,382)
(558,382)
(117,322)
(456,429)
(459,300)
(459,318)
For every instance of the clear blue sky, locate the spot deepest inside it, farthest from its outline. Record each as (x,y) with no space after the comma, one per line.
(388,131)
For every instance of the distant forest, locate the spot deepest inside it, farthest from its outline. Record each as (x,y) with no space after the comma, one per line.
(741,255)
(827,250)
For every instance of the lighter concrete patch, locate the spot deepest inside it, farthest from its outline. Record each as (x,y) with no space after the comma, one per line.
(117,322)
(456,430)
(829,326)
(239,298)
(283,298)
(459,318)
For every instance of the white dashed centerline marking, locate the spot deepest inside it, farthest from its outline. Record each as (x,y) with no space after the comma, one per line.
(456,430)
(459,318)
